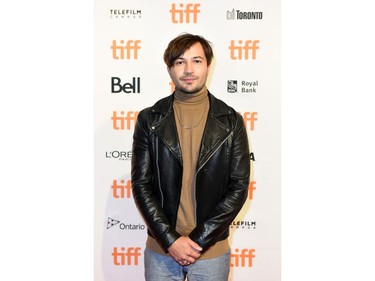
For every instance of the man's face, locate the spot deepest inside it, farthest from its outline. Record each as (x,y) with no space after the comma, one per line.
(189,72)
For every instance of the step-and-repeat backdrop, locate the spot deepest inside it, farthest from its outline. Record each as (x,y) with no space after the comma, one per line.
(130,39)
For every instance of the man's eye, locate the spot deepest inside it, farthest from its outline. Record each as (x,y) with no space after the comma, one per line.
(178,62)
(198,61)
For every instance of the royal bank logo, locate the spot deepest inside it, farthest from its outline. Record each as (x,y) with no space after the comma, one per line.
(244,15)
(245,87)
(232,86)
(125,13)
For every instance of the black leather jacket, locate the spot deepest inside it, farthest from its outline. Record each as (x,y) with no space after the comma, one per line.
(222,175)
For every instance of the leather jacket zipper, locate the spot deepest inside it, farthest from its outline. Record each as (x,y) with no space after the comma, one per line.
(213,152)
(158,172)
(196,173)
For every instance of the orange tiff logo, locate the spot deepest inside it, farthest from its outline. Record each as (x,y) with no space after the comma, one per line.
(123,121)
(251,189)
(241,50)
(249,119)
(185,13)
(243,259)
(172,86)
(123,256)
(121,190)
(125,50)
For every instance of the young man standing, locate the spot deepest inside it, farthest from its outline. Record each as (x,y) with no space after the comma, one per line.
(190,171)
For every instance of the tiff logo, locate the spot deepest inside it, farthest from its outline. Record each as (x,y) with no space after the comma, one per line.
(184,14)
(251,189)
(120,189)
(242,49)
(125,50)
(239,260)
(250,117)
(123,256)
(172,86)
(120,119)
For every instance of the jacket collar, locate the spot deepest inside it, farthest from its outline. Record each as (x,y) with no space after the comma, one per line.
(214,134)
(217,107)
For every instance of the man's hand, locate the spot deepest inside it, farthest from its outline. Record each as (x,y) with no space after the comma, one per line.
(185,251)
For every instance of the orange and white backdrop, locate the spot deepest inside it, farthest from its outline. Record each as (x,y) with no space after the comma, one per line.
(130,38)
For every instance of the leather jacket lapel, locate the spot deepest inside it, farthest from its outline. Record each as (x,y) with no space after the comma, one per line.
(167,132)
(214,135)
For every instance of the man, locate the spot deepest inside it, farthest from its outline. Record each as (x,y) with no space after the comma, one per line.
(190,171)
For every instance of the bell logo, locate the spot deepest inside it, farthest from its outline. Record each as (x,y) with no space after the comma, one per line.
(244,259)
(125,50)
(128,88)
(123,256)
(249,117)
(119,189)
(190,11)
(242,50)
(119,120)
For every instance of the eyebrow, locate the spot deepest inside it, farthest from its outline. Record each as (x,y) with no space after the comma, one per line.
(196,57)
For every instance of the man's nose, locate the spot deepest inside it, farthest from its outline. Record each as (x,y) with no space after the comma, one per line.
(188,68)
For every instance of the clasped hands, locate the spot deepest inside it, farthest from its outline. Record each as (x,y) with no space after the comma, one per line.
(185,251)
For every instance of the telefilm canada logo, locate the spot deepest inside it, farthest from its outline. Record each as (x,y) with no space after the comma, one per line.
(113,223)
(125,13)
(244,15)
(246,87)
(246,225)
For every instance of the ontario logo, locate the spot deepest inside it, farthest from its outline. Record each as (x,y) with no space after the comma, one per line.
(113,223)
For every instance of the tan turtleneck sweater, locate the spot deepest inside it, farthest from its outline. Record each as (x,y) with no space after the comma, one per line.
(190,111)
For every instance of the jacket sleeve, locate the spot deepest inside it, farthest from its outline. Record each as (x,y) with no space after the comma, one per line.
(142,176)
(230,205)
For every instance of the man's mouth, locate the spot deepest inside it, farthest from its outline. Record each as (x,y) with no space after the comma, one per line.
(188,79)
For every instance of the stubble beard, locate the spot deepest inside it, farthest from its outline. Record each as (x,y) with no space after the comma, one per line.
(190,92)
(195,90)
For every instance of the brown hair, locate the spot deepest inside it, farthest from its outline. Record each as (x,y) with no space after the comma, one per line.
(183,42)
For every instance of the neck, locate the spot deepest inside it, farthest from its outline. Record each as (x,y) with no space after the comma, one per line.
(196,98)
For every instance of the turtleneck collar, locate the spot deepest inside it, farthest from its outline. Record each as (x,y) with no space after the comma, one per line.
(191,99)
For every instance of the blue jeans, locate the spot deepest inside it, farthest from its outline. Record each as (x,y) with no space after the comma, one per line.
(164,268)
